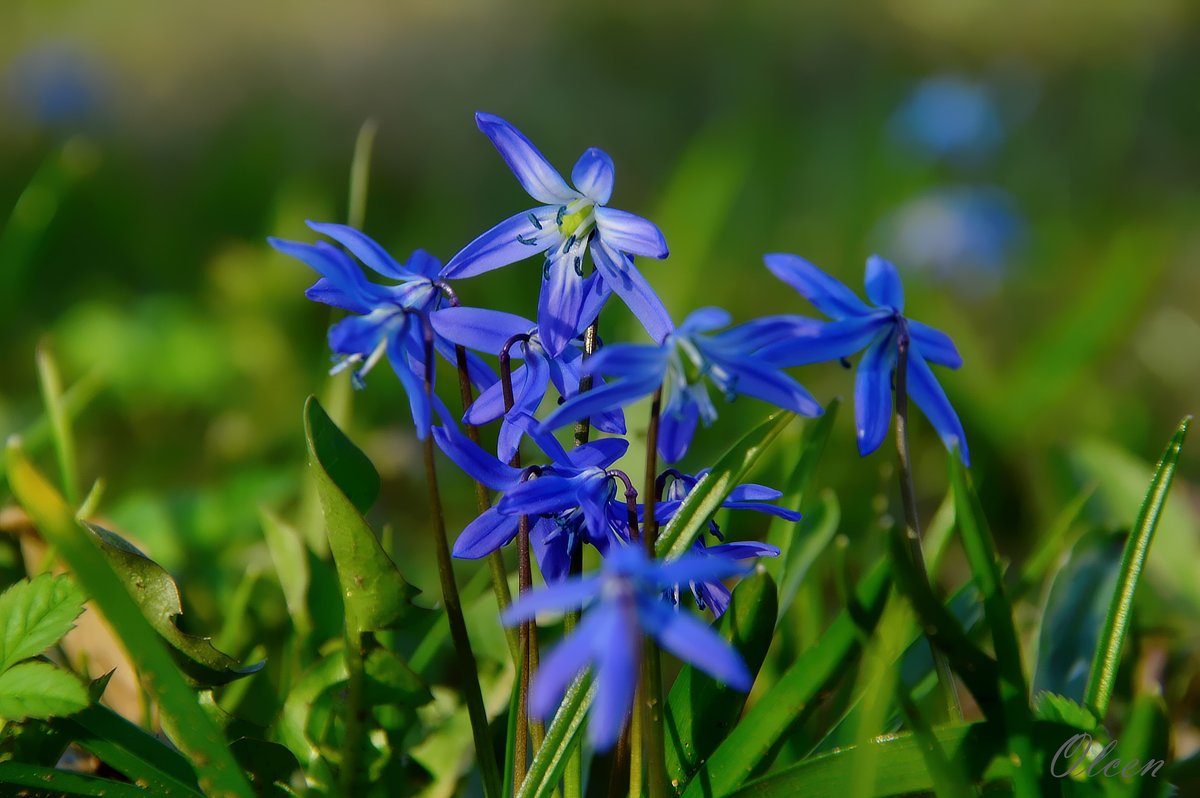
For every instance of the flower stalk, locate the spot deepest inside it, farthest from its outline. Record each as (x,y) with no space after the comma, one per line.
(650,691)
(485,755)
(912,524)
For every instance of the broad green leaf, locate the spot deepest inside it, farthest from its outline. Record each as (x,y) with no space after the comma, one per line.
(376,595)
(985,568)
(700,710)
(793,698)
(267,763)
(39,690)
(705,499)
(1103,675)
(391,682)
(35,614)
(158,597)
(343,462)
(1074,614)
(782,533)
(197,737)
(562,735)
(29,781)
(294,720)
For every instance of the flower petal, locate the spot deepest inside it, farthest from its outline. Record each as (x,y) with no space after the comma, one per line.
(366,249)
(559,305)
(753,376)
(342,277)
(824,341)
(628,283)
(630,361)
(593,175)
(563,596)
(491,530)
(935,345)
(629,233)
(471,458)
(742,550)
(516,238)
(928,395)
(695,642)
(541,180)
(563,664)
(750,492)
(618,648)
(541,495)
(829,296)
(758,333)
(705,320)
(677,426)
(873,393)
(599,453)
(480,329)
(607,397)
(595,293)
(883,283)
(694,567)
(489,405)
(527,396)
(360,335)
(414,384)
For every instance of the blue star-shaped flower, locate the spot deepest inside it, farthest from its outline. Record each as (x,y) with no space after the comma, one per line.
(683,365)
(628,594)
(856,326)
(488,331)
(390,319)
(713,594)
(569,223)
(570,499)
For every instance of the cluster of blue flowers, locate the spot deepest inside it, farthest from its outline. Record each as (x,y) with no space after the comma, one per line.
(571,497)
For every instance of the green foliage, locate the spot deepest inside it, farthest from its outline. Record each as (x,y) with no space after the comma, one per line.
(37,613)
(39,690)
(376,595)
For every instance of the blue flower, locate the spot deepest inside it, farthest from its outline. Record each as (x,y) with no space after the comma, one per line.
(488,331)
(388,320)
(713,594)
(570,500)
(567,224)
(950,116)
(628,603)
(877,328)
(680,365)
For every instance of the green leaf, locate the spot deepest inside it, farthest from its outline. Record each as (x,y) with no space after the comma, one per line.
(39,690)
(267,763)
(1146,739)
(816,531)
(391,682)
(985,568)
(158,597)
(794,697)
(705,499)
(197,737)
(700,710)
(35,614)
(290,558)
(343,463)
(37,782)
(1060,709)
(1074,614)
(1103,675)
(562,735)
(60,426)
(376,595)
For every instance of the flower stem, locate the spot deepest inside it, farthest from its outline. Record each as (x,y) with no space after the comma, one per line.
(573,774)
(912,524)
(485,755)
(650,689)
(356,712)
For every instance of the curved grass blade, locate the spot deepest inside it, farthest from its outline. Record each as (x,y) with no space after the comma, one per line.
(562,735)
(794,697)
(705,499)
(1103,674)
(700,710)
(30,781)
(981,554)
(196,735)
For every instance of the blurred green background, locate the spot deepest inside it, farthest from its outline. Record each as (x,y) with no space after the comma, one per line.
(1031,167)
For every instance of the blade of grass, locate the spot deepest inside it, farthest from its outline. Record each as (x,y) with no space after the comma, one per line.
(1013,688)
(1103,674)
(60,426)
(562,736)
(196,734)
